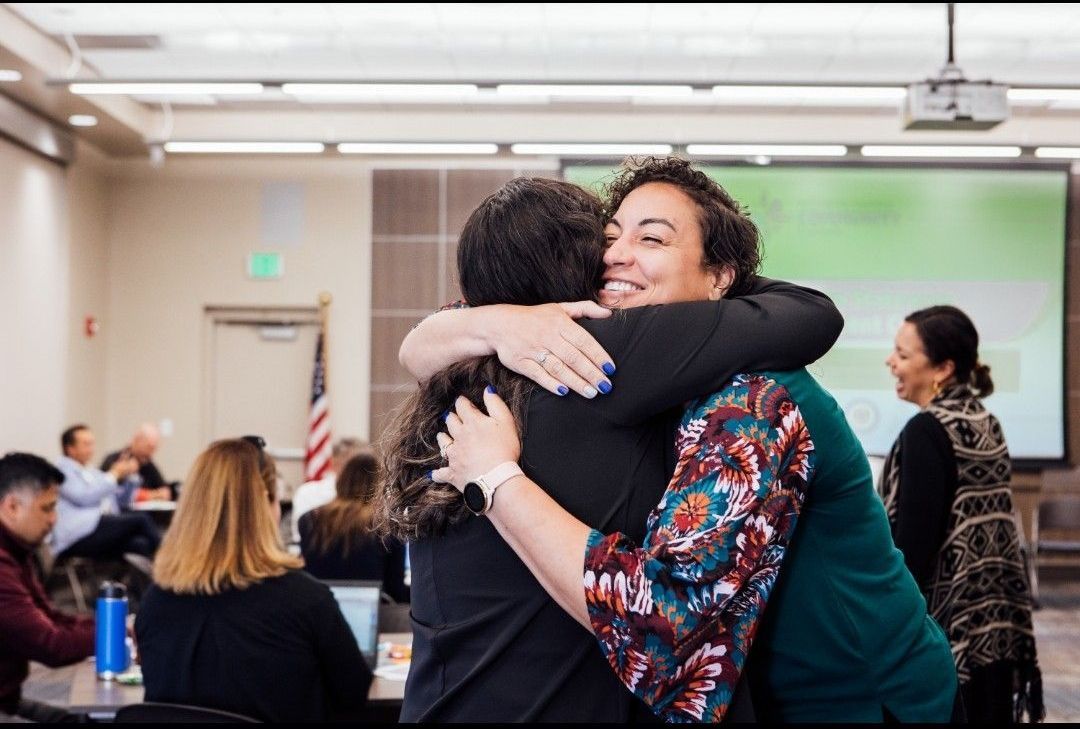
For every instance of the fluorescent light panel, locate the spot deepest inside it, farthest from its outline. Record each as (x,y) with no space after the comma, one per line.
(810,94)
(1044,95)
(82,120)
(768,150)
(244,147)
(8,74)
(877,150)
(595,90)
(1058,152)
(591,150)
(378,91)
(165,88)
(416,148)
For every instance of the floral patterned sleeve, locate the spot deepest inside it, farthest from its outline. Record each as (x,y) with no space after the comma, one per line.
(675,617)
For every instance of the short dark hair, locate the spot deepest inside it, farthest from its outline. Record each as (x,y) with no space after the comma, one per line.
(947,333)
(67,438)
(26,471)
(729,236)
(534,241)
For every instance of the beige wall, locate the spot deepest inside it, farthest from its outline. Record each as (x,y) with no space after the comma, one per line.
(50,278)
(179,237)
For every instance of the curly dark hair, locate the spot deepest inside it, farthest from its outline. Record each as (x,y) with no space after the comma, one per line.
(730,237)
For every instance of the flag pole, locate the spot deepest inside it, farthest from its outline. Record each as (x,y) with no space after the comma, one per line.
(325,299)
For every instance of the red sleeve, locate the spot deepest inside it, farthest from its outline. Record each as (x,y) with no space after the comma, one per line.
(36,631)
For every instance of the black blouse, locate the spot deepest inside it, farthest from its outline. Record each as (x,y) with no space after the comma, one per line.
(369,559)
(928,481)
(489,644)
(276,651)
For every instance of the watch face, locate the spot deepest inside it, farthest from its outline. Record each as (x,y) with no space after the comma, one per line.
(474,497)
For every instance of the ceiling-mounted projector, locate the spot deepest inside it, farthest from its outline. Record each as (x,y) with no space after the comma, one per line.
(951,102)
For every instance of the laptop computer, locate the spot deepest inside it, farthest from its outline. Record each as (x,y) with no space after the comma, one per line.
(359,603)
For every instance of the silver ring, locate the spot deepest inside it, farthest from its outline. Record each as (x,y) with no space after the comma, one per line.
(444,449)
(542,356)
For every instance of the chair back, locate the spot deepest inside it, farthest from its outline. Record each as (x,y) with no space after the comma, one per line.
(155,713)
(1059,512)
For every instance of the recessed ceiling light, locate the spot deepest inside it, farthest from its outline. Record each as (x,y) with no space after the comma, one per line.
(1057,152)
(244,147)
(930,150)
(595,90)
(416,148)
(768,150)
(82,120)
(9,74)
(164,88)
(591,150)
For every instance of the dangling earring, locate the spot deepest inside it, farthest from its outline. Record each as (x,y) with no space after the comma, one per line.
(935,388)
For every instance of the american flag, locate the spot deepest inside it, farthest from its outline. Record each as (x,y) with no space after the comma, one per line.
(317,460)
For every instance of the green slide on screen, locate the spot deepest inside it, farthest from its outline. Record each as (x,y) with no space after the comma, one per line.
(883,242)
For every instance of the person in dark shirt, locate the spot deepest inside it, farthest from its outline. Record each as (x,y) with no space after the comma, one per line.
(147,484)
(489,644)
(946,487)
(337,541)
(232,622)
(31,629)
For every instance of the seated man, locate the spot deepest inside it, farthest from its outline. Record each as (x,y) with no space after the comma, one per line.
(146,484)
(313,494)
(89,523)
(31,629)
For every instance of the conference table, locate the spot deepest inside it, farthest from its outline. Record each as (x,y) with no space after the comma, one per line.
(101,699)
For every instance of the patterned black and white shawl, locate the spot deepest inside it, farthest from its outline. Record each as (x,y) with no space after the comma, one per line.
(979,591)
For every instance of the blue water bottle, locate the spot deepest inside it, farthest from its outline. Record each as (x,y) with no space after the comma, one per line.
(112,653)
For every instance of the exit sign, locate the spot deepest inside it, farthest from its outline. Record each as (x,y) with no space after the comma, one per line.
(264,266)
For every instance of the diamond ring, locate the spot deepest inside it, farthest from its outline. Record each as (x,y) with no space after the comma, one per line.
(542,356)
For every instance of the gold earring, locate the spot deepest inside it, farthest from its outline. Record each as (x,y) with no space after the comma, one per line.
(936,388)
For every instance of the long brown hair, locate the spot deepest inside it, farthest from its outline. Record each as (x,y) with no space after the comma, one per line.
(534,241)
(222,536)
(348,518)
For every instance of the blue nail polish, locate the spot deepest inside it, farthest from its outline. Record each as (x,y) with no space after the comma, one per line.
(563,389)
(431,475)
(445,415)
(604,387)
(491,389)
(608,368)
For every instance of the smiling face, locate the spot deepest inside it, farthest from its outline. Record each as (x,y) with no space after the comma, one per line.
(914,372)
(655,251)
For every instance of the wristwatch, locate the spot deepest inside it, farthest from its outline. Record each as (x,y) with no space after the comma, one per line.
(479,492)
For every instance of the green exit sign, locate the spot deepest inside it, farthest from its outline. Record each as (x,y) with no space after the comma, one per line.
(262,266)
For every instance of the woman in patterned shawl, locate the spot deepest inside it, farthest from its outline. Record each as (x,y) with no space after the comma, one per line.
(769,475)
(946,489)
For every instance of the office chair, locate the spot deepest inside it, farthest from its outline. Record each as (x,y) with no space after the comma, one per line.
(155,713)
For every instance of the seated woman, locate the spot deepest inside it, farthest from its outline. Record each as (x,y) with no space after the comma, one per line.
(337,540)
(232,622)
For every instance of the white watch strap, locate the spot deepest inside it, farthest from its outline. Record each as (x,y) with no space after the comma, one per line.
(499,475)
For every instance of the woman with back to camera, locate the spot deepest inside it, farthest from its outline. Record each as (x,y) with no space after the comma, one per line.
(489,644)
(337,541)
(946,489)
(232,622)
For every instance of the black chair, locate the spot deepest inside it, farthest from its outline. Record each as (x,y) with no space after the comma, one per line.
(154,713)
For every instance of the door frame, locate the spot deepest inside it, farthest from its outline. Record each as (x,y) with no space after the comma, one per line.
(213,316)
